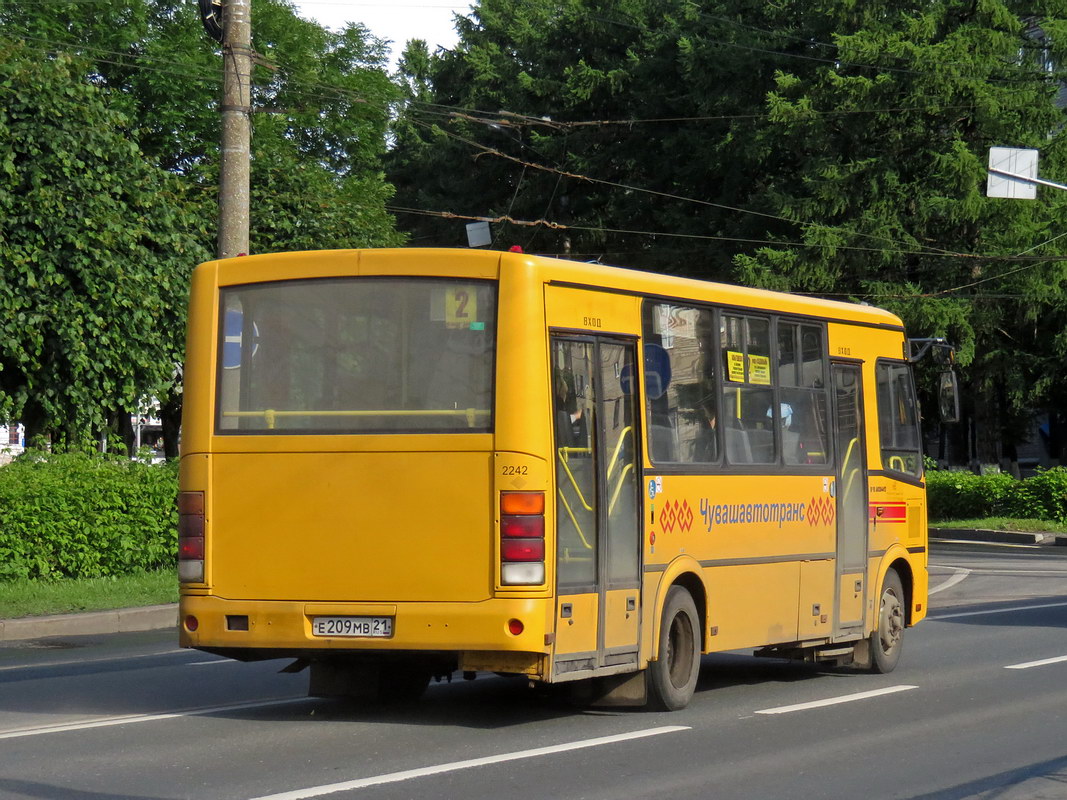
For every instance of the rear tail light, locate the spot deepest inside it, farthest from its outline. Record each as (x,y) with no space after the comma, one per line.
(525,503)
(191,537)
(522,538)
(522,550)
(522,527)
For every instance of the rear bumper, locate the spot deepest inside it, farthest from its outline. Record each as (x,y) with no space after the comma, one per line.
(276,627)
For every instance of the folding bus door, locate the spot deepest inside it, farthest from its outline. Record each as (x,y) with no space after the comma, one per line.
(597,506)
(851,492)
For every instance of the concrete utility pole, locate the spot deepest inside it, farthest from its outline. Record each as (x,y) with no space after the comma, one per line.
(236,127)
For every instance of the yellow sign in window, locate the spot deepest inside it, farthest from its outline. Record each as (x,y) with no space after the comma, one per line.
(759,370)
(735,366)
(461,306)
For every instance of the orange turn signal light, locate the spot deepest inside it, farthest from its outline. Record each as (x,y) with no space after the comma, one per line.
(522,502)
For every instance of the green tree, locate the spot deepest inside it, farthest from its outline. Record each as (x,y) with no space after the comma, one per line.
(895,194)
(93,241)
(317,176)
(321,104)
(620,115)
(835,148)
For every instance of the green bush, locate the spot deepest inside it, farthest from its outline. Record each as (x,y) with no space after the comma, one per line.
(85,516)
(964,495)
(1043,496)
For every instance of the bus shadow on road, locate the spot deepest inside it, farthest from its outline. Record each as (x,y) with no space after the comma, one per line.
(485,703)
(1045,779)
(720,670)
(491,701)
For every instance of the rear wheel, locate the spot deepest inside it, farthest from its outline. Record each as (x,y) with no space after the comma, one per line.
(888,637)
(673,675)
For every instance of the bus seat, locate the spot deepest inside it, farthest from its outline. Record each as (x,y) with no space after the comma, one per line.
(761,444)
(738,450)
(663,445)
(791,446)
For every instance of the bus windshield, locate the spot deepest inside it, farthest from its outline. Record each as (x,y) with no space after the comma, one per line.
(356,355)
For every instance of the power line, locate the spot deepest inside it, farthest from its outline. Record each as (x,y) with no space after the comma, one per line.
(494,152)
(508,119)
(1033,261)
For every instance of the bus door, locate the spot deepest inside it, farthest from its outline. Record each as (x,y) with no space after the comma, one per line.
(598,567)
(851,493)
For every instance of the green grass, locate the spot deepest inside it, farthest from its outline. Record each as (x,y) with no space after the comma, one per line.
(1003,524)
(30,598)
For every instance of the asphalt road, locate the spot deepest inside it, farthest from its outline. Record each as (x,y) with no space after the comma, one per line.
(976,709)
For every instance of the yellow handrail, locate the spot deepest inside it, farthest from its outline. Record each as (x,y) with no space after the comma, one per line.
(855,472)
(618,448)
(270,415)
(577,527)
(618,486)
(563,451)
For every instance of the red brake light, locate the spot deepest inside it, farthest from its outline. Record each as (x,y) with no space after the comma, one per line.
(190,525)
(190,548)
(523,549)
(522,526)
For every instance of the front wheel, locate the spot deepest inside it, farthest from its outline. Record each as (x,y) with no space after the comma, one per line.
(673,675)
(888,638)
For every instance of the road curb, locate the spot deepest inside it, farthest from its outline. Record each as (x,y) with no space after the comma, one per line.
(119,620)
(998,537)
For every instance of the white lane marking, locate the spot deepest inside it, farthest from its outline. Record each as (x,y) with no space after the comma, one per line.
(832,701)
(47,664)
(212,661)
(961,574)
(130,719)
(394,777)
(938,617)
(1040,663)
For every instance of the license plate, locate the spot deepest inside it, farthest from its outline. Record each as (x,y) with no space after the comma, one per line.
(368,627)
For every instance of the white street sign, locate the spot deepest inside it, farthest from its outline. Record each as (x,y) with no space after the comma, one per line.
(1008,169)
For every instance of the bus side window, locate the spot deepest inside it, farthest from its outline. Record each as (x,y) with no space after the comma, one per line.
(801,375)
(680,386)
(748,393)
(898,419)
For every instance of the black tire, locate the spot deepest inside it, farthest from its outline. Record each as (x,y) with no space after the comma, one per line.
(672,677)
(887,639)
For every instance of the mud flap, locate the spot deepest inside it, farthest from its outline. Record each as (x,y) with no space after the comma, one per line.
(627,689)
(861,654)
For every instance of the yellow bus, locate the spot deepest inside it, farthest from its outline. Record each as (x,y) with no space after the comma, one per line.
(398,464)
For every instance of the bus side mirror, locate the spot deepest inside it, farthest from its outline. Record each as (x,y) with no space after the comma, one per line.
(948,397)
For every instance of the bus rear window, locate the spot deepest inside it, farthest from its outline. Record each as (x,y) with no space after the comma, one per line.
(356,355)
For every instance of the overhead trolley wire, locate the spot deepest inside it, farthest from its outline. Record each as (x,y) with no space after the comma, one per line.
(485,150)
